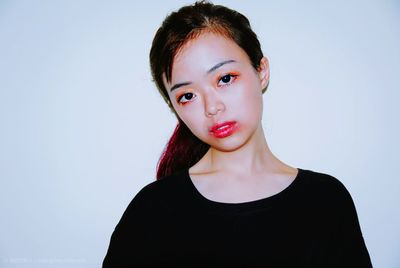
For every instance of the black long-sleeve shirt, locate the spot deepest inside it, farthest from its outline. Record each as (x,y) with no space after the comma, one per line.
(311,223)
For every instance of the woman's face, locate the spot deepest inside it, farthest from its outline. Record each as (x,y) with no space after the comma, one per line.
(216,91)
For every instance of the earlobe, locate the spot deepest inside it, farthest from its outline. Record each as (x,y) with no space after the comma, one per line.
(263,72)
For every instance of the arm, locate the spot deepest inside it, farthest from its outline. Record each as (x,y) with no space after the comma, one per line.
(347,248)
(128,242)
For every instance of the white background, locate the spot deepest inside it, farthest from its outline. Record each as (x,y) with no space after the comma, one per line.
(82,124)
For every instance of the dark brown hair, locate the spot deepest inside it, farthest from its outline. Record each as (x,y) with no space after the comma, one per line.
(184,149)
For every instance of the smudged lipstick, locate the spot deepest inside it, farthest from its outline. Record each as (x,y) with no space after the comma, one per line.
(224,129)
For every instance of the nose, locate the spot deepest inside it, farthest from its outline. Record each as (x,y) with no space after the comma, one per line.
(213,104)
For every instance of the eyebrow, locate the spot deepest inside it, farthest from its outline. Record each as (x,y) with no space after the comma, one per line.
(212,69)
(216,66)
(180,85)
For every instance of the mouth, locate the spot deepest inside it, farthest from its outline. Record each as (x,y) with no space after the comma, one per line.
(224,129)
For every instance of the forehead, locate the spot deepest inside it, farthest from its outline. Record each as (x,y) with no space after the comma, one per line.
(203,52)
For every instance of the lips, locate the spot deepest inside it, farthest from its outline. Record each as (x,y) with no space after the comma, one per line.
(224,129)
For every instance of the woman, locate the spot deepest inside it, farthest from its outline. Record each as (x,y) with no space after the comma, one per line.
(222,197)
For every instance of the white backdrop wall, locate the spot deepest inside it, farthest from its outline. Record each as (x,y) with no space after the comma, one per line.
(82,125)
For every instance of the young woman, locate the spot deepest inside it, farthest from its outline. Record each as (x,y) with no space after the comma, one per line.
(222,197)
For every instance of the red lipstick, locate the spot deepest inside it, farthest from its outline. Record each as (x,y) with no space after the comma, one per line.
(224,129)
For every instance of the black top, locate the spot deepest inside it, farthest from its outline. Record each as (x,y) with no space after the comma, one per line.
(311,223)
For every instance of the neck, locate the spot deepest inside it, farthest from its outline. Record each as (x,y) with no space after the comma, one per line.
(253,157)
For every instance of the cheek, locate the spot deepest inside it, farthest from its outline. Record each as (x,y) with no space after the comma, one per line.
(192,117)
(249,97)
(249,110)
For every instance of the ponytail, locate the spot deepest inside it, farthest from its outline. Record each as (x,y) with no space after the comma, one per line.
(181,152)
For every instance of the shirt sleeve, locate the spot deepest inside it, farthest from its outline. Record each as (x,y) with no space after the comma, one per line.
(129,239)
(347,248)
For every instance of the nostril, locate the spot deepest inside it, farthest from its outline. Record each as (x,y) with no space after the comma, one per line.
(213,111)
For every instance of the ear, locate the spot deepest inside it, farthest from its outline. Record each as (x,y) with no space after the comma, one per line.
(263,73)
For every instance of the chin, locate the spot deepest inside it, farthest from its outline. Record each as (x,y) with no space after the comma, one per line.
(228,145)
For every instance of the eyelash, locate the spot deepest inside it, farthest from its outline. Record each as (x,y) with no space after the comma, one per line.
(232,79)
(231,75)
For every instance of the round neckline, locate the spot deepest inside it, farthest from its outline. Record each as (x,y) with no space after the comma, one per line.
(261,201)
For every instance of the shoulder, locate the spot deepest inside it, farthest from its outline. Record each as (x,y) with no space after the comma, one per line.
(322,182)
(337,214)
(326,197)
(157,194)
(163,187)
(142,221)
(325,188)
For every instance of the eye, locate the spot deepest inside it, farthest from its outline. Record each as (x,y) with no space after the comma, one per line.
(227,79)
(186,97)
